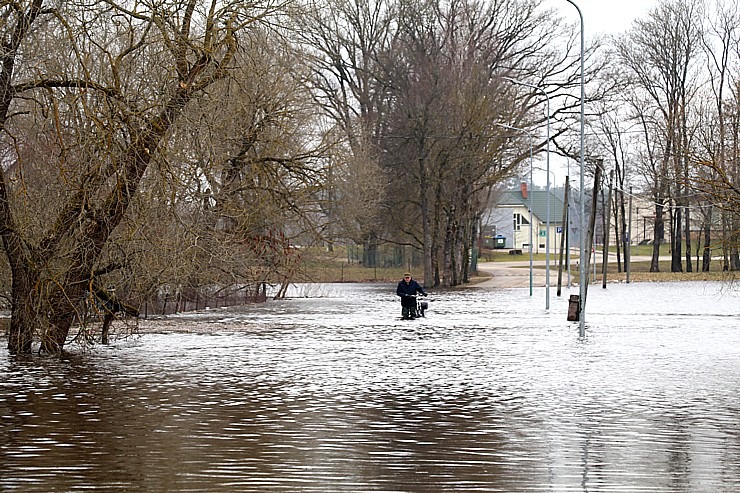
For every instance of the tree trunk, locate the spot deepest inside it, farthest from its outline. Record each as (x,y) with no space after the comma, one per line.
(687,230)
(370,251)
(22,313)
(619,230)
(447,256)
(734,243)
(426,221)
(658,235)
(707,254)
(676,235)
(471,250)
(105,330)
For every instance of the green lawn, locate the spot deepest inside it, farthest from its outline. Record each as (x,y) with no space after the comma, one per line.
(639,270)
(322,266)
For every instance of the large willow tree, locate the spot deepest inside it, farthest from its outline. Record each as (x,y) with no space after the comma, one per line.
(90,92)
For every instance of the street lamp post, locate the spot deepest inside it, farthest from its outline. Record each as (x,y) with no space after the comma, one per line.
(547,199)
(531,262)
(582,253)
(531,219)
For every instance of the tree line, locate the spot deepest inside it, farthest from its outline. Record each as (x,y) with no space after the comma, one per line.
(185,146)
(672,130)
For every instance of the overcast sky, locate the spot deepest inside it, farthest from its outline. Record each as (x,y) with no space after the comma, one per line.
(599,17)
(603,16)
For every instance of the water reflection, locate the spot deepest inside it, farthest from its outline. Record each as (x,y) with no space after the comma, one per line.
(489,393)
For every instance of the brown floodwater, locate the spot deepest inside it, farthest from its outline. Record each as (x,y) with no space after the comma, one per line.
(330,391)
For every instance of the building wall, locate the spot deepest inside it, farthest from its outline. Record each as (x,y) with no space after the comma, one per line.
(540,240)
(502,218)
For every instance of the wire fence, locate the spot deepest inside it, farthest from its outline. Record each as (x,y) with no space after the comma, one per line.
(187,300)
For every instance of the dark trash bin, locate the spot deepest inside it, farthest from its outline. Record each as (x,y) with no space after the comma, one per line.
(499,241)
(574,308)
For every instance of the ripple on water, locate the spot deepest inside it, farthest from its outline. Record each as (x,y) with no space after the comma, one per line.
(489,393)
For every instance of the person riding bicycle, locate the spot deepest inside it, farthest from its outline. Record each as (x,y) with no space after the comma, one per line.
(407,289)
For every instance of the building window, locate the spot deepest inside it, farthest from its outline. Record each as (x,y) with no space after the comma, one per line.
(519,221)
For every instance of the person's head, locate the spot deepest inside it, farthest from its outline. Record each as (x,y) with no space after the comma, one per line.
(407,277)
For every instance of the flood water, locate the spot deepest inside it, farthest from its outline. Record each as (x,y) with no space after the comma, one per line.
(332,392)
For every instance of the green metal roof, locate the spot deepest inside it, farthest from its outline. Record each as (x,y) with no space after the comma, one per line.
(538,201)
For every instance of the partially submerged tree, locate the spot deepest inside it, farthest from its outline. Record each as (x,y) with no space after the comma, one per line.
(89,95)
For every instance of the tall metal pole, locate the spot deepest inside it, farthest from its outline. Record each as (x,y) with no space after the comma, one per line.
(566,231)
(547,199)
(581,267)
(531,218)
(628,250)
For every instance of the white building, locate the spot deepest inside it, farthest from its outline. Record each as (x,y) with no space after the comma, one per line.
(509,220)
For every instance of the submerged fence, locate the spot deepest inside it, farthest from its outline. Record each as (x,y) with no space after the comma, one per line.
(167,302)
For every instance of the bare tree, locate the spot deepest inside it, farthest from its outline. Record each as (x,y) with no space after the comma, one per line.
(241,182)
(450,98)
(440,135)
(718,147)
(343,41)
(108,89)
(416,91)
(612,135)
(660,53)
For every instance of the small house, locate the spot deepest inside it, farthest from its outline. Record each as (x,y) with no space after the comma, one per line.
(519,211)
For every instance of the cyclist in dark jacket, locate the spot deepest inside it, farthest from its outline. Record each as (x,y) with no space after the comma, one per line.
(407,289)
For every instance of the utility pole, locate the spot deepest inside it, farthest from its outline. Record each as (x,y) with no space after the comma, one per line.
(563,235)
(591,224)
(607,226)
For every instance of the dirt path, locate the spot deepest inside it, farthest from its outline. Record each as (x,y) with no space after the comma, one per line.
(515,274)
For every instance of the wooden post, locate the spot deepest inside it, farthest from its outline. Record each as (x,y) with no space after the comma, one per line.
(607,221)
(591,224)
(563,235)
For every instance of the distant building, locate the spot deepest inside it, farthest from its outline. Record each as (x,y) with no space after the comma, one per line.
(508,221)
